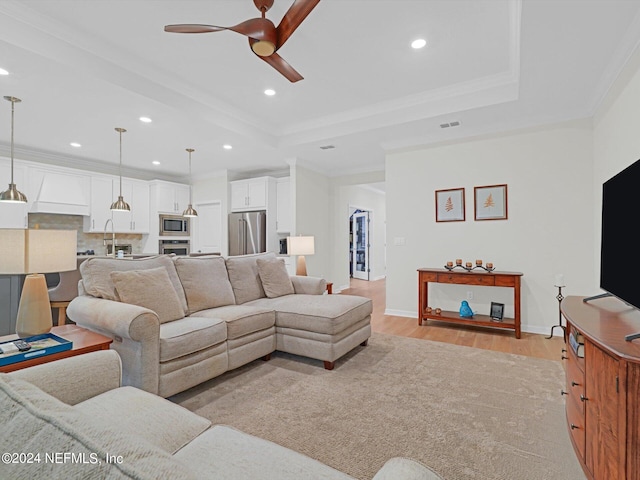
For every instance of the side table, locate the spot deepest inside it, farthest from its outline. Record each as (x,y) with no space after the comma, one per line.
(84,341)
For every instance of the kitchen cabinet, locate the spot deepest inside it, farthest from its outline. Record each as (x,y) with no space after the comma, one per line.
(136,194)
(13,215)
(283,206)
(170,197)
(101,198)
(250,194)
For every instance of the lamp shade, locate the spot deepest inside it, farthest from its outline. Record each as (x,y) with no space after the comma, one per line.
(37,251)
(300,245)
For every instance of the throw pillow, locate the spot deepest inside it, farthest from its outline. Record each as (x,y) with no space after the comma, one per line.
(205,282)
(244,277)
(151,289)
(274,276)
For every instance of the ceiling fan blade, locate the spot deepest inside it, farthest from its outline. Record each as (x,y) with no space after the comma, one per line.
(293,18)
(279,63)
(257,28)
(192,28)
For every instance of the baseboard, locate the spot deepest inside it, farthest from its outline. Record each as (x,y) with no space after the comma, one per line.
(537,329)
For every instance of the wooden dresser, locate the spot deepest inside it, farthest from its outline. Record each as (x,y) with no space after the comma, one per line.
(603,387)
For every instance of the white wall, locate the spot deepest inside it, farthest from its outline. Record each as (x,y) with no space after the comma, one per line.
(616,138)
(312,194)
(549,230)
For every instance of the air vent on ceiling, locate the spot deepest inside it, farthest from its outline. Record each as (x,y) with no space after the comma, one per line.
(327,147)
(450,124)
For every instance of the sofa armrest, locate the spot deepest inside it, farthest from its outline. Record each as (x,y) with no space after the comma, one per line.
(308,285)
(75,379)
(399,468)
(135,332)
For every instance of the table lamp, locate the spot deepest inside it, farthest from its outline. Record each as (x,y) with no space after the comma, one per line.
(301,246)
(34,252)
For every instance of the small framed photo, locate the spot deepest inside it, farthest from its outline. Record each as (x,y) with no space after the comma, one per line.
(450,205)
(490,202)
(497,311)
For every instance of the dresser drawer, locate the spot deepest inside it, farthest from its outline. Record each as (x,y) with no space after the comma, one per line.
(575,421)
(466,279)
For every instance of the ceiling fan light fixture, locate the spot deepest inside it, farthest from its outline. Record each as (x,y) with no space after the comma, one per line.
(263,48)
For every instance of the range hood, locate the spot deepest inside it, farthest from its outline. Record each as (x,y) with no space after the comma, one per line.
(60,193)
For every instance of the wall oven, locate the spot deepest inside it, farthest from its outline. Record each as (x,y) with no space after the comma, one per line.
(174,225)
(179,247)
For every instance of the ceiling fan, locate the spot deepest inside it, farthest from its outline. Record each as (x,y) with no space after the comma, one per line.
(264,37)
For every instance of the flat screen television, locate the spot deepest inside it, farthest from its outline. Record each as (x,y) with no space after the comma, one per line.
(620,242)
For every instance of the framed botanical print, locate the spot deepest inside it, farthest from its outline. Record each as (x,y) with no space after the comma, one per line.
(450,205)
(490,202)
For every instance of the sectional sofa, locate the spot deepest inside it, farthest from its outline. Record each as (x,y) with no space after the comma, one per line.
(179,321)
(72,419)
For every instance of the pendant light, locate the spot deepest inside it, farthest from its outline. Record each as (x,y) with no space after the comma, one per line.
(120,205)
(190,211)
(12,194)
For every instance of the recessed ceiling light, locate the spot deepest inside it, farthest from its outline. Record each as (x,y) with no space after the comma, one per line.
(156,162)
(227,147)
(3,72)
(145,120)
(418,43)
(75,144)
(270,92)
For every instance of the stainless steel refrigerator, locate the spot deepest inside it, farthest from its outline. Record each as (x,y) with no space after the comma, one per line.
(247,232)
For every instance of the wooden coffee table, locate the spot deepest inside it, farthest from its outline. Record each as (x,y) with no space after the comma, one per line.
(84,341)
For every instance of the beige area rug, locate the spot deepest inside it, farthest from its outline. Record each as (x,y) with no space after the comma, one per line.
(465,412)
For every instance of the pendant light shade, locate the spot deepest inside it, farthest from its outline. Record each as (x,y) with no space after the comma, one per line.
(190,211)
(120,205)
(12,194)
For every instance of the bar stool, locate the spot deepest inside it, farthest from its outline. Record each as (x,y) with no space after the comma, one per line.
(66,290)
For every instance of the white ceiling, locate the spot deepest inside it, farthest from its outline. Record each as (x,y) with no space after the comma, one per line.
(83,68)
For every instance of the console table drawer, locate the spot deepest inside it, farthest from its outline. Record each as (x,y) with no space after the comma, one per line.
(505,281)
(575,419)
(466,279)
(575,382)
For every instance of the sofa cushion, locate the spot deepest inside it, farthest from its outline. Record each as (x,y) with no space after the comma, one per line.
(274,277)
(97,281)
(189,335)
(232,454)
(131,410)
(150,289)
(205,282)
(244,276)
(242,319)
(328,314)
(35,422)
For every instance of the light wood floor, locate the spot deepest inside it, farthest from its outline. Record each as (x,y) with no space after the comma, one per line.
(530,344)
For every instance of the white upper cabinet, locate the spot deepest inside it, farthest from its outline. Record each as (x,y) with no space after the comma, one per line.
(283,205)
(13,215)
(249,194)
(170,197)
(136,194)
(101,198)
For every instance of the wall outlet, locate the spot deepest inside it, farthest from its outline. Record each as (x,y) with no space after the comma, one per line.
(469,295)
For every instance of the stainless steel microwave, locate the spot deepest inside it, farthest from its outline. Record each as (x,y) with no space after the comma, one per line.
(174,225)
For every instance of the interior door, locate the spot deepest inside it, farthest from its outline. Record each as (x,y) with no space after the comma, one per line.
(360,261)
(208,228)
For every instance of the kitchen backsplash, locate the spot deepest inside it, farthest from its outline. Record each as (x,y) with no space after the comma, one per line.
(86,241)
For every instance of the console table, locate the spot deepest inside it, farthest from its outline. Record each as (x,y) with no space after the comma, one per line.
(603,387)
(485,279)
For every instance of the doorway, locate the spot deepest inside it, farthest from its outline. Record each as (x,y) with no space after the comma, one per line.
(359,245)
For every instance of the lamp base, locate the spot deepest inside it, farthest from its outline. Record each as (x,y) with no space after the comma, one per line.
(34,311)
(301,266)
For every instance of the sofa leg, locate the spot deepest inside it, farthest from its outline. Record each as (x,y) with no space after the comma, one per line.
(328,365)
(365,343)
(266,358)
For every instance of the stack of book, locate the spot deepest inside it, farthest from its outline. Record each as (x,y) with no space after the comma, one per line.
(576,340)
